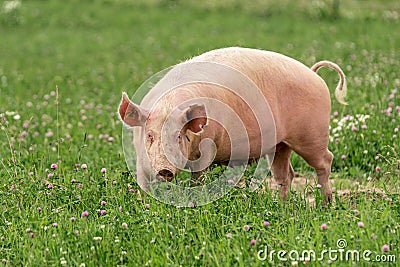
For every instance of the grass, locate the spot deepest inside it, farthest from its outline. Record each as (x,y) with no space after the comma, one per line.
(92,50)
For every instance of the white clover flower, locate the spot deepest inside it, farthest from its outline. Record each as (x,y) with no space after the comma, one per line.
(362,117)
(9,6)
(63,261)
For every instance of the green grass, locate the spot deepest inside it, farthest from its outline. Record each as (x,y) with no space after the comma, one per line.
(93,50)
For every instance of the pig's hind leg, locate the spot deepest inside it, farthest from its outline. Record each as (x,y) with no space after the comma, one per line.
(282,169)
(320,158)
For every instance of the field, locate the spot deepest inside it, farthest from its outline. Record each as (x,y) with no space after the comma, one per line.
(67,197)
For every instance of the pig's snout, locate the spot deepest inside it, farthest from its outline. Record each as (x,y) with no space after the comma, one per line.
(165,174)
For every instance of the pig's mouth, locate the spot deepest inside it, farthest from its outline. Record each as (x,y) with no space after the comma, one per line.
(165,174)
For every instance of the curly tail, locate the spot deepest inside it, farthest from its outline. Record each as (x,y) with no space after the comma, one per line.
(341,89)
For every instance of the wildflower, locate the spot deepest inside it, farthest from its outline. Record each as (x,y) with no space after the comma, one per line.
(120,209)
(39,209)
(73,219)
(2,238)
(79,185)
(354,128)
(229,235)
(396,130)
(323,226)
(114,182)
(50,175)
(252,242)
(319,186)
(125,225)
(54,166)
(63,261)
(49,134)
(85,213)
(230,181)
(103,170)
(364,127)
(266,223)
(335,114)
(55,224)
(103,212)
(360,224)
(343,157)
(147,206)
(111,139)
(31,235)
(9,6)
(385,248)
(84,166)
(246,227)
(103,203)
(50,186)
(378,169)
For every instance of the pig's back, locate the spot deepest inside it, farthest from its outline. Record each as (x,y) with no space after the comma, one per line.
(293,91)
(274,73)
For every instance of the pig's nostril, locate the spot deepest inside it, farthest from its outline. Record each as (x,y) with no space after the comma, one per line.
(166,174)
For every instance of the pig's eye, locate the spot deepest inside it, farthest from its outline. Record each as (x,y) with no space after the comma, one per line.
(179,138)
(150,136)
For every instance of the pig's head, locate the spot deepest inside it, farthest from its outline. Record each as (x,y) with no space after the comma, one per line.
(171,135)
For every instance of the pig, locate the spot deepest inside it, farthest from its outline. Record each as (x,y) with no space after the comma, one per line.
(296,118)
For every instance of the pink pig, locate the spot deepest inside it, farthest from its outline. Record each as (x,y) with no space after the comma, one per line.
(174,128)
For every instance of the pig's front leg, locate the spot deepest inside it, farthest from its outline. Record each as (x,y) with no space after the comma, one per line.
(282,169)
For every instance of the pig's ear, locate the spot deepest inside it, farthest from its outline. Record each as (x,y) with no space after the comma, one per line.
(196,117)
(130,113)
